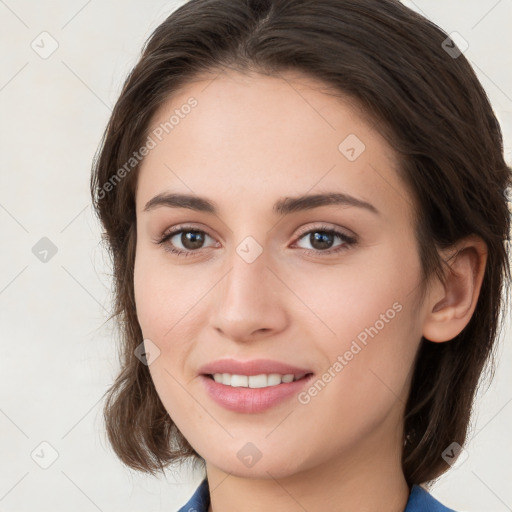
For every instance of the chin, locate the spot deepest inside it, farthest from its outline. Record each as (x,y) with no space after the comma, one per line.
(276,465)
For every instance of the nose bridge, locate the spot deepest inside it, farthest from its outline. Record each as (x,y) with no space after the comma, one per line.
(247,281)
(248,300)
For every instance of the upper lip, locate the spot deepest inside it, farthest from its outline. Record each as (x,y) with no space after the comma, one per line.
(252,367)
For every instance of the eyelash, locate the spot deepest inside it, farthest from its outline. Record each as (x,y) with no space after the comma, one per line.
(348,241)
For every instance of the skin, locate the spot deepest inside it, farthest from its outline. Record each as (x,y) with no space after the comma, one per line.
(251,140)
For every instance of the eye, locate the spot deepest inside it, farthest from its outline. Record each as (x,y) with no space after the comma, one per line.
(322,239)
(184,240)
(187,240)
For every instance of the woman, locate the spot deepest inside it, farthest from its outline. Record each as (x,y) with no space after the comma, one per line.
(305,204)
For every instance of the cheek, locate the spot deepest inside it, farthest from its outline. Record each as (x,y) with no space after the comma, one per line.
(170,312)
(148,295)
(165,312)
(373,326)
(366,373)
(362,291)
(164,297)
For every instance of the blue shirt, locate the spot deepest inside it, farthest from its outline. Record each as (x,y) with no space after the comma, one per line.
(419,501)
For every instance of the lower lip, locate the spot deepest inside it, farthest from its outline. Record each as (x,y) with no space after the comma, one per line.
(252,400)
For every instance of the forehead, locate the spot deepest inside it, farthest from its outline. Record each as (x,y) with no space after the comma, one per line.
(267,135)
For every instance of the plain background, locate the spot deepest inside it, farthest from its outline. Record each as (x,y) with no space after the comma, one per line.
(58,357)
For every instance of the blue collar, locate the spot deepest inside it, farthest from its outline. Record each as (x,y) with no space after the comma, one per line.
(419,501)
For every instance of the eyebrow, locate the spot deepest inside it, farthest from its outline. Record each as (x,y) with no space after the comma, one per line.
(283,206)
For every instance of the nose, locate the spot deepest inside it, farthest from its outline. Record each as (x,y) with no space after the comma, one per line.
(250,300)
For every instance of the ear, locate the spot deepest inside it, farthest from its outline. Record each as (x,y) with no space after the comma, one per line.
(450,306)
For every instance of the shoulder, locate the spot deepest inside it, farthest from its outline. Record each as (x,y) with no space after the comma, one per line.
(421,500)
(200,500)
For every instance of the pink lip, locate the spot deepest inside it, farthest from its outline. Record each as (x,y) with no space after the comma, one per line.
(251,400)
(253,367)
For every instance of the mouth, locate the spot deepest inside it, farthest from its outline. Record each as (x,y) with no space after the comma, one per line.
(252,394)
(259,381)
(252,386)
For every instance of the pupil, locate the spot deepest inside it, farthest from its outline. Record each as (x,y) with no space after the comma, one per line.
(192,239)
(321,240)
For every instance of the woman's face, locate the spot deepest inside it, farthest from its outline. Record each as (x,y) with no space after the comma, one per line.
(325,287)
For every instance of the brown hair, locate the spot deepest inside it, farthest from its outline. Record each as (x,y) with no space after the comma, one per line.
(432,109)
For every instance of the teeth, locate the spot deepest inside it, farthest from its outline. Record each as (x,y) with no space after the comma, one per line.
(254,381)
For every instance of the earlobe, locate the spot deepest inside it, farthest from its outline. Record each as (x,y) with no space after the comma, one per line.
(451,305)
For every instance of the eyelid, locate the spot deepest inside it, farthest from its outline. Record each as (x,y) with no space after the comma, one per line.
(325,227)
(184,227)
